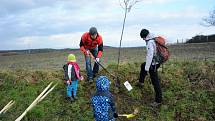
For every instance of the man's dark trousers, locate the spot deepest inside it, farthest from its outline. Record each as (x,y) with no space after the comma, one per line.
(154,78)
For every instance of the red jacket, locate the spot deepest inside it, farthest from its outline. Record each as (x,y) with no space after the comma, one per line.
(88,43)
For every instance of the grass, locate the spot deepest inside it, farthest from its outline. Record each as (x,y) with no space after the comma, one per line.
(187,80)
(188,94)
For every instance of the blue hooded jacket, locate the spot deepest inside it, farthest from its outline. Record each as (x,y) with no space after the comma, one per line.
(102,102)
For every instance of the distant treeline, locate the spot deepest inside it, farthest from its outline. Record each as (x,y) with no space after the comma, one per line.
(43,50)
(202,38)
(30,51)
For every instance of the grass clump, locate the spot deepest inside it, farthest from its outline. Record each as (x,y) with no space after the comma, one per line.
(188,93)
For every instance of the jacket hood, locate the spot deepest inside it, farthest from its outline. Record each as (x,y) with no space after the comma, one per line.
(149,36)
(102,84)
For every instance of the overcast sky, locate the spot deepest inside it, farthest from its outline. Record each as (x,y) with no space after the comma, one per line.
(57,24)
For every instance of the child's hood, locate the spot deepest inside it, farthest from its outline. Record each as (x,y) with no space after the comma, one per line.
(102,84)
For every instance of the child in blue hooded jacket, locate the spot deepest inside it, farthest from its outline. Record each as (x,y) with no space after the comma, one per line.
(71,76)
(102,101)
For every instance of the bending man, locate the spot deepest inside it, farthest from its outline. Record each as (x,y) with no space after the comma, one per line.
(91,42)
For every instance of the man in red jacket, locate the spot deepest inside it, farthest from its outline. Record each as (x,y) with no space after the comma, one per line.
(91,42)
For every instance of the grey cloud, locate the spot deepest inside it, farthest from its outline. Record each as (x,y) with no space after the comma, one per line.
(62,17)
(8,7)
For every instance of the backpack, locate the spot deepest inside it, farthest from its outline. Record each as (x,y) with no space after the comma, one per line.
(162,51)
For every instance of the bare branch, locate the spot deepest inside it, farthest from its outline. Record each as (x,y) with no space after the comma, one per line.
(205,24)
(132,4)
(121,5)
(128,4)
(209,21)
(125,2)
(129,8)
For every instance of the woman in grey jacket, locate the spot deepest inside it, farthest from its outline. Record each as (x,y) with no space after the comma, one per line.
(150,66)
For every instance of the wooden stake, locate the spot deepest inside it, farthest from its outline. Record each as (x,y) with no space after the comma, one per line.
(42,95)
(7,107)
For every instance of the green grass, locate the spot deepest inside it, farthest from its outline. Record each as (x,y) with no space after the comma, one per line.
(188,93)
(188,85)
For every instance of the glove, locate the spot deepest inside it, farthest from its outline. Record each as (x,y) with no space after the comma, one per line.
(115,115)
(97,59)
(86,52)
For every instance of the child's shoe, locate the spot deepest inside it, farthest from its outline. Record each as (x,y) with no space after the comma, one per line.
(71,99)
(75,98)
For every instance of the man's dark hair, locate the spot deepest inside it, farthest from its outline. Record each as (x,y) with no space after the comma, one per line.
(93,31)
(144,33)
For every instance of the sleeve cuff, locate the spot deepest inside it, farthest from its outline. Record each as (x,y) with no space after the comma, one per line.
(83,49)
(99,54)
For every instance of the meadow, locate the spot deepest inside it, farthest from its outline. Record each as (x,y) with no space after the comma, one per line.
(187,80)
